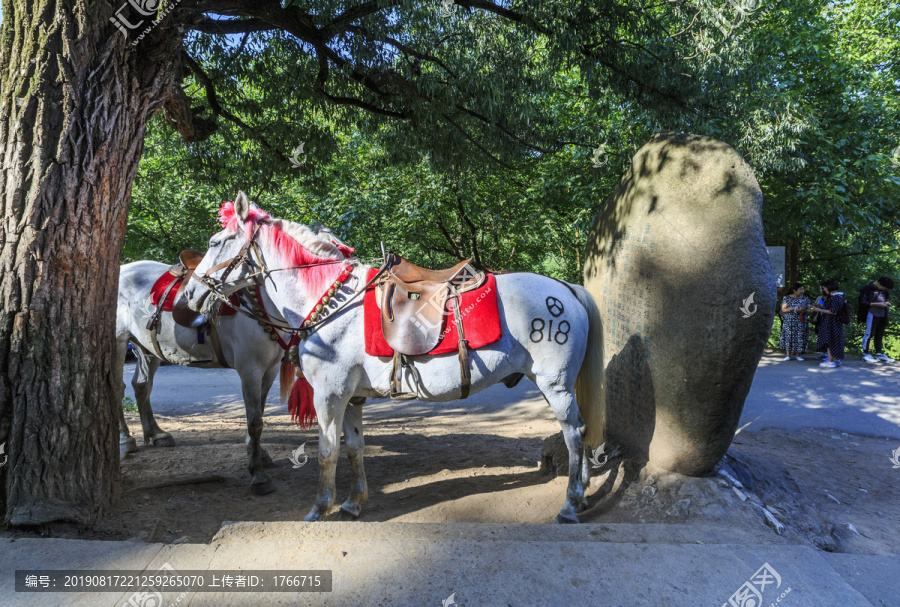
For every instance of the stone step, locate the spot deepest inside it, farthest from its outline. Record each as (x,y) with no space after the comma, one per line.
(484,565)
(236,532)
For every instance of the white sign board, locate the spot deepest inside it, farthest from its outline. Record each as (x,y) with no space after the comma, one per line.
(777,259)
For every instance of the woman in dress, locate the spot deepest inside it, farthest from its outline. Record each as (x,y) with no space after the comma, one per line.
(795,323)
(831,331)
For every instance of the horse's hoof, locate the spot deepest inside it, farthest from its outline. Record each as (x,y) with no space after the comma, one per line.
(313,516)
(128,445)
(163,440)
(350,511)
(263,488)
(566,518)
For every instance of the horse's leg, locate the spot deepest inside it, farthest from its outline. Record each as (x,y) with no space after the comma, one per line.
(566,410)
(353,438)
(142,382)
(268,380)
(330,411)
(260,482)
(127,444)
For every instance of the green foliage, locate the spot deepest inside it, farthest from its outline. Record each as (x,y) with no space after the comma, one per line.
(129,405)
(484,142)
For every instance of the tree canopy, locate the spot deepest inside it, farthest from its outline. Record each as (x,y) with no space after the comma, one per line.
(474,128)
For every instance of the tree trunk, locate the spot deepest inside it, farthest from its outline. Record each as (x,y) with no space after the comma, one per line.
(76,97)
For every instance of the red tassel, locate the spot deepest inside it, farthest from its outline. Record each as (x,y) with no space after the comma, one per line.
(300,404)
(287,379)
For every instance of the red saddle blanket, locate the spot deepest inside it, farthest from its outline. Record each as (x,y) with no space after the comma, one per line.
(162,283)
(479,309)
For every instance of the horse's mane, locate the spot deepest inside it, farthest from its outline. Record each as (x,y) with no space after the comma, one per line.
(293,244)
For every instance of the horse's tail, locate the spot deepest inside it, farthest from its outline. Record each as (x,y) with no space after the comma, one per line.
(287,379)
(590,386)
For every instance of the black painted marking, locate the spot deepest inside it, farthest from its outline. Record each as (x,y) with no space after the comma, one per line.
(564,333)
(555,306)
(538,330)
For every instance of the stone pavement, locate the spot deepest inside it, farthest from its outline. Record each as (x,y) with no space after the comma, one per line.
(858,397)
(416,565)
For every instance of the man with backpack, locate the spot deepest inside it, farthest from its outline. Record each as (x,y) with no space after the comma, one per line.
(835,314)
(874,302)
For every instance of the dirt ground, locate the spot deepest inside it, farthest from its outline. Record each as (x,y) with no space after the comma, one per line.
(451,468)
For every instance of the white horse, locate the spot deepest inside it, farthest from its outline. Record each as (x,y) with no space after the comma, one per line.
(334,361)
(247,349)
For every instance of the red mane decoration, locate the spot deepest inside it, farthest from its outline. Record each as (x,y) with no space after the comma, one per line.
(313,279)
(231,222)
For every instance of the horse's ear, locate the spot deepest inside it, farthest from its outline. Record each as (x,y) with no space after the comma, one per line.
(242,206)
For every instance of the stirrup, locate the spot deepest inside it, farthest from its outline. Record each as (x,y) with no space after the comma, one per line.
(396,392)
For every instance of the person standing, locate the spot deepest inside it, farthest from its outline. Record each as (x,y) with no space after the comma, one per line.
(795,324)
(874,302)
(831,330)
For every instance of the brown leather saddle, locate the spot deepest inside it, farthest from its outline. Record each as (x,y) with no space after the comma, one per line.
(188,260)
(414,307)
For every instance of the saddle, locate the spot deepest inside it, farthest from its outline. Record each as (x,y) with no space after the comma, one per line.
(188,261)
(414,307)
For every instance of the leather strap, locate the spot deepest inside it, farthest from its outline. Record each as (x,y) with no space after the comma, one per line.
(465,373)
(153,323)
(217,345)
(155,342)
(397,379)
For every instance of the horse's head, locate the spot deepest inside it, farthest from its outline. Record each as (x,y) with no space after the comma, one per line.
(240,221)
(253,246)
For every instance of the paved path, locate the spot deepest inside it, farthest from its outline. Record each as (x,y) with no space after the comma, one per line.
(858,397)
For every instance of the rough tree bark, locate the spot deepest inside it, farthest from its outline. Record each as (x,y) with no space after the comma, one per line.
(76,96)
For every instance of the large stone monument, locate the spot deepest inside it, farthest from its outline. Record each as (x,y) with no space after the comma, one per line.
(677,264)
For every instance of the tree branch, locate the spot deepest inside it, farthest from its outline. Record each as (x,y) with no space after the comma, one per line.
(218,110)
(232,26)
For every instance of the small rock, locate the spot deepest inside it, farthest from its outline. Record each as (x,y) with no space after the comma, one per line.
(724,484)
(863,490)
(879,513)
(648,491)
(667,480)
(774,510)
(728,476)
(844,434)
(649,480)
(832,498)
(181,540)
(740,494)
(835,437)
(852,528)
(753,498)
(768,519)
(681,508)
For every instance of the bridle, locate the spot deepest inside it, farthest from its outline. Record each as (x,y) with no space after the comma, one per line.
(217,286)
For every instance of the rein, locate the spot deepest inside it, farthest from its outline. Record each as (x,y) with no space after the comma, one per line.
(315,319)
